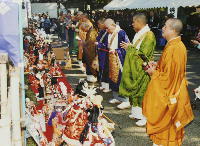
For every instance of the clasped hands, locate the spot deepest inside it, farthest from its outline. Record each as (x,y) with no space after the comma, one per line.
(124,45)
(151,67)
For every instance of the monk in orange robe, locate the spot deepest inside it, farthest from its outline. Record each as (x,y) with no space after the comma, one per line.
(166,103)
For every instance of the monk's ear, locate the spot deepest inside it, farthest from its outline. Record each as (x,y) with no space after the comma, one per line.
(174,31)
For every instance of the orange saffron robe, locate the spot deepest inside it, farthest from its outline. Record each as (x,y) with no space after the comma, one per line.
(166,103)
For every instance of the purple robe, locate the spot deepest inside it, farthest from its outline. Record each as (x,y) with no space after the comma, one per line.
(102,47)
(103,52)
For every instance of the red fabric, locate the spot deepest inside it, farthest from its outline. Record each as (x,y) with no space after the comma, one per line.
(40,105)
(64,80)
(31,79)
(49,129)
(74,129)
(49,132)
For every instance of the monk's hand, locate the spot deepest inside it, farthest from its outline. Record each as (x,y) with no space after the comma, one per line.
(124,45)
(152,63)
(76,30)
(151,67)
(96,43)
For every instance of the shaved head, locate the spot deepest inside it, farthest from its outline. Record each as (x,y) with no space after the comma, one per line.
(109,22)
(176,25)
(110,25)
(101,20)
(172,28)
(101,24)
(141,18)
(139,21)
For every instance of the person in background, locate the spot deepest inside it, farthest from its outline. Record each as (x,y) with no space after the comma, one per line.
(47,24)
(61,26)
(89,51)
(153,20)
(103,54)
(54,27)
(196,41)
(67,23)
(70,30)
(80,37)
(166,103)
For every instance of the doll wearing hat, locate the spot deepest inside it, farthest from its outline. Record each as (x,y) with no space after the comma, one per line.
(56,120)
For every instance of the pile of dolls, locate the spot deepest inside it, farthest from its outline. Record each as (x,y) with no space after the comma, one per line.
(85,122)
(60,115)
(47,82)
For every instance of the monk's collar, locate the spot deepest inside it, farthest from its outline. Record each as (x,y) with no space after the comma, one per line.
(174,40)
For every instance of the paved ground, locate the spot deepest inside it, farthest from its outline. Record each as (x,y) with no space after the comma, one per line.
(130,134)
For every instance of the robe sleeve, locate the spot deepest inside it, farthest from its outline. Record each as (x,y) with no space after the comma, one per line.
(91,39)
(165,82)
(90,47)
(172,72)
(134,78)
(122,37)
(102,44)
(100,34)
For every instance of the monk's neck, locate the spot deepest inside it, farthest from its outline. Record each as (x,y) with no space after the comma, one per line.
(172,37)
(142,26)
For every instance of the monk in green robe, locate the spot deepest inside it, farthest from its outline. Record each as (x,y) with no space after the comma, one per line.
(134,78)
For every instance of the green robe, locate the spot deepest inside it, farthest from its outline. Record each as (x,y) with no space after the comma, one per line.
(134,79)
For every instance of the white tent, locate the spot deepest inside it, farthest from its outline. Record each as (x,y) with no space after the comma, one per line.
(114,5)
(134,4)
(140,4)
(126,3)
(144,4)
(51,8)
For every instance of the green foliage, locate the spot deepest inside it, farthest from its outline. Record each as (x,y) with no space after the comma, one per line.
(102,1)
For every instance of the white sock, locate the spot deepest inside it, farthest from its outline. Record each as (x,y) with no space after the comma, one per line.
(106,86)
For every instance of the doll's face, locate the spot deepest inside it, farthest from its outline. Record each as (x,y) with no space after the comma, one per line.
(85,84)
(59,108)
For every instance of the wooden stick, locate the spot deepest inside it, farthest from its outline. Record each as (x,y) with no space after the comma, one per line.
(111,121)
